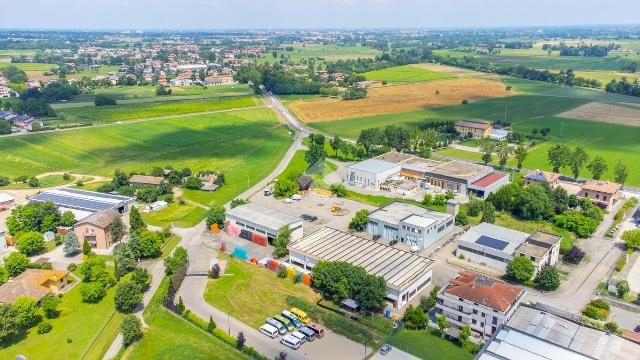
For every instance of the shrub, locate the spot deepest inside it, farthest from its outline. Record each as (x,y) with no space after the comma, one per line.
(128,296)
(360,220)
(339,190)
(600,304)
(613,327)
(620,264)
(92,292)
(282,273)
(130,329)
(44,327)
(574,255)
(623,288)
(142,277)
(595,313)
(72,267)
(104,100)
(28,313)
(548,279)
(216,215)
(520,269)
(30,242)
(16,263)
(285,188)
(49,306)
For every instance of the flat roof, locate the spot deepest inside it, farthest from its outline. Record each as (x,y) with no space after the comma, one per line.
(461,169)
(82,200)
(571,335)
(394,157)
(373,166)
(399,268)
(397,211)
(263,216)
(490,236)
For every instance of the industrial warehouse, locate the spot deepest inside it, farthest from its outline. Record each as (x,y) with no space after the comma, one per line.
(251,218)
(405,273)
(83,203)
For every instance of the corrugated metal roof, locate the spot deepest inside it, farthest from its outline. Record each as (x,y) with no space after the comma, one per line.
(82,200)
(262,216)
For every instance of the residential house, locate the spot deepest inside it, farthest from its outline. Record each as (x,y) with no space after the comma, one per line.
(5,91)
(600,192)
(146,180)
(474,129)
(95,229)
(482,302)
(34,283)
(541,177)
(219,80)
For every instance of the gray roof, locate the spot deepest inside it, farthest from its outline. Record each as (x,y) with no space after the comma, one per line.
(399,268)
(486,230)
(373,166)
(396,212)
(83,200)
(262,216)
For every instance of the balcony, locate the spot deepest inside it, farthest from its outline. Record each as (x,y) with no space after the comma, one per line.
(449,311)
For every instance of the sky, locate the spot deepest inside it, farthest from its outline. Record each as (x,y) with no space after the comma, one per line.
(289,14)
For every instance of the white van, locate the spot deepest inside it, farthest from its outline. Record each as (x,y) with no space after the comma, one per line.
(273,322)
(269,330)
(299,335)
(291,342)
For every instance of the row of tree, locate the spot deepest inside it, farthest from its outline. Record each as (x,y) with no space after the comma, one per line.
(561,156)
(623,87)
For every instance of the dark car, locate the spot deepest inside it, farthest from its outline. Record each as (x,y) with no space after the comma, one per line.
(384,350)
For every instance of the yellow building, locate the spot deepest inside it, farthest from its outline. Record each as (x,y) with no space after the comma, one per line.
(477,129)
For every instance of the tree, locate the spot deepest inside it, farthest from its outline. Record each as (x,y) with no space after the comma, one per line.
(281,241)
(520,154)
(104,100)
(370,138)
(67,219)
(315,155)
(86,248)
(443,324)
(558,156)
(462,219)
(336,144)
(632,239)
(338,190)
(503,150)
(414,318)
(49,305)
(597,166)
(577,159)
(4,275)
(487,148)
(240,340)
(5,127)
(285,188)
(574,255)
(9,326)
(16,263)
(142,278)
(126,257)
(464,334)
(520,269)
(623,288)
(94,269)
(128,296)
(428,302)
(212,325)
(488,213)
(34,182)
(36,216)
(150,244)
(216,215)
(30,242)
(360,220)
(135,221)
(28,314)
(621,173)
(130,329)
(193,183)
(548,279)
(179,259)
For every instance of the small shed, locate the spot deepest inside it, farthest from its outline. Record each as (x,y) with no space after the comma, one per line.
(304,182)
(350,305)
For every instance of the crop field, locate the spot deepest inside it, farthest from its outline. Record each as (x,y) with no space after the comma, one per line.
(104,69)
(606,76)
(400,98)
(458,72)
(608,113)
(322,53)
(523,86)
(110,114)
(17,52)
(32,66)
(406,74)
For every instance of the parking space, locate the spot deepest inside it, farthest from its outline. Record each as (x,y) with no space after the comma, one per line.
(394,354)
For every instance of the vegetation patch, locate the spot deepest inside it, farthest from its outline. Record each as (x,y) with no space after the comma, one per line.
(406,74)
(430,345)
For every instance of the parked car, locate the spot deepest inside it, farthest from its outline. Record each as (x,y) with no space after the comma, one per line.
(286,322)
(269,330)
(302,316)
(291,342)
(319,330)
(310,334)
(294,319)
(309,218)
(299,335)
(268,192)
(287,201)
(282,329)
(384,350)
(296,197)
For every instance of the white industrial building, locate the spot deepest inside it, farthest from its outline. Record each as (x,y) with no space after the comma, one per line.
(410,224)
(255,218)
(371,173)
(405,273)
(495,246)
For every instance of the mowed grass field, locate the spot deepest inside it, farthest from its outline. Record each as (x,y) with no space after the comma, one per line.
(399,98)
(31,66)
(406,74)
(110,114)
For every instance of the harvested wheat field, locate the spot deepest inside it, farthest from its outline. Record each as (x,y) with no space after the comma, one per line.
(400,98)
(459,72)
(613,114)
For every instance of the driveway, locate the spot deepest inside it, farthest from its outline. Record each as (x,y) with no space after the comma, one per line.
(394,354)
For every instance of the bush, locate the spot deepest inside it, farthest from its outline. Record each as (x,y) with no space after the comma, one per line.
(130,329)
(595,313)
(216,215)
(339,190)
(44,327)
(128,296)
(462,219)
(360,220)
(104,100)
(548,279)
(72,267)
(623,288)
(30,242)
(620,264)
(574,255)
(285,188)
(520,269)
(193,183)
(49,306)
(92,292)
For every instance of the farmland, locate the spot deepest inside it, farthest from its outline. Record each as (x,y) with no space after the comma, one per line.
(321,53)
(603,112)
(32,66)
(406,74)
(400,98)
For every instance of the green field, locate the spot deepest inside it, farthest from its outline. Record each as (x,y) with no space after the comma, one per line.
(45,182)
(110,114)
(18,52)
(183,216)
(104,69)
(171,337)
(31,66)
(543,88)
(405,74)
(429,345)
(253,294)
(321,53)
(80,322)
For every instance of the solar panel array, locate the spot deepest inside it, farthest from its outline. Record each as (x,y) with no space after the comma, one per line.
(82,200)
(492,242)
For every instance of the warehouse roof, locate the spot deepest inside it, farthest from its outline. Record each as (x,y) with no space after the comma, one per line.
(489,180)
(396,212)
(83,200)
(495,237)
(461,170)
(399,268)
(373,166)
(394,157)
(262,216)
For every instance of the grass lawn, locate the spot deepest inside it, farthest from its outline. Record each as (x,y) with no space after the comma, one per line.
(109,114)
(78,321)
(171,337)
(169,245)
(296,166)
(90,186)
(405,74)
(104,69)
(183,216)
(45,182)
(251,294)
(31,66)
(429,345)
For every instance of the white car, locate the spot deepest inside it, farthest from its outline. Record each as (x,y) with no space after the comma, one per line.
(287,201)
(299,335)
(291,342)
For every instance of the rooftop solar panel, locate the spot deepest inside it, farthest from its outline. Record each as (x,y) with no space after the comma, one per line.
(491,242)
(95,194)
(70,202)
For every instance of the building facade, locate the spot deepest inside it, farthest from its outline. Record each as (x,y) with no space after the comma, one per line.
(474,129)
(96,229)
(371,173)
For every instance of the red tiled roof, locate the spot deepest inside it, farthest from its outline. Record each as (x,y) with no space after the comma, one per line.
(483,290)
(489,179)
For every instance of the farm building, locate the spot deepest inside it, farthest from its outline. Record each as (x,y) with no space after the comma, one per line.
(382,173)
(146,180)
(474,129)
(544,332)
(35,283)
(479,301)
(251,218)
(84,203)
(410,224)
(495,246)
(95,229)
(405,273)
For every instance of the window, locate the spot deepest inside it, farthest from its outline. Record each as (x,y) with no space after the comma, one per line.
(473,321)
(483,314)
(460,299)
(475,312)
(493,329)
(460,308)
(533,258)
(494,321)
